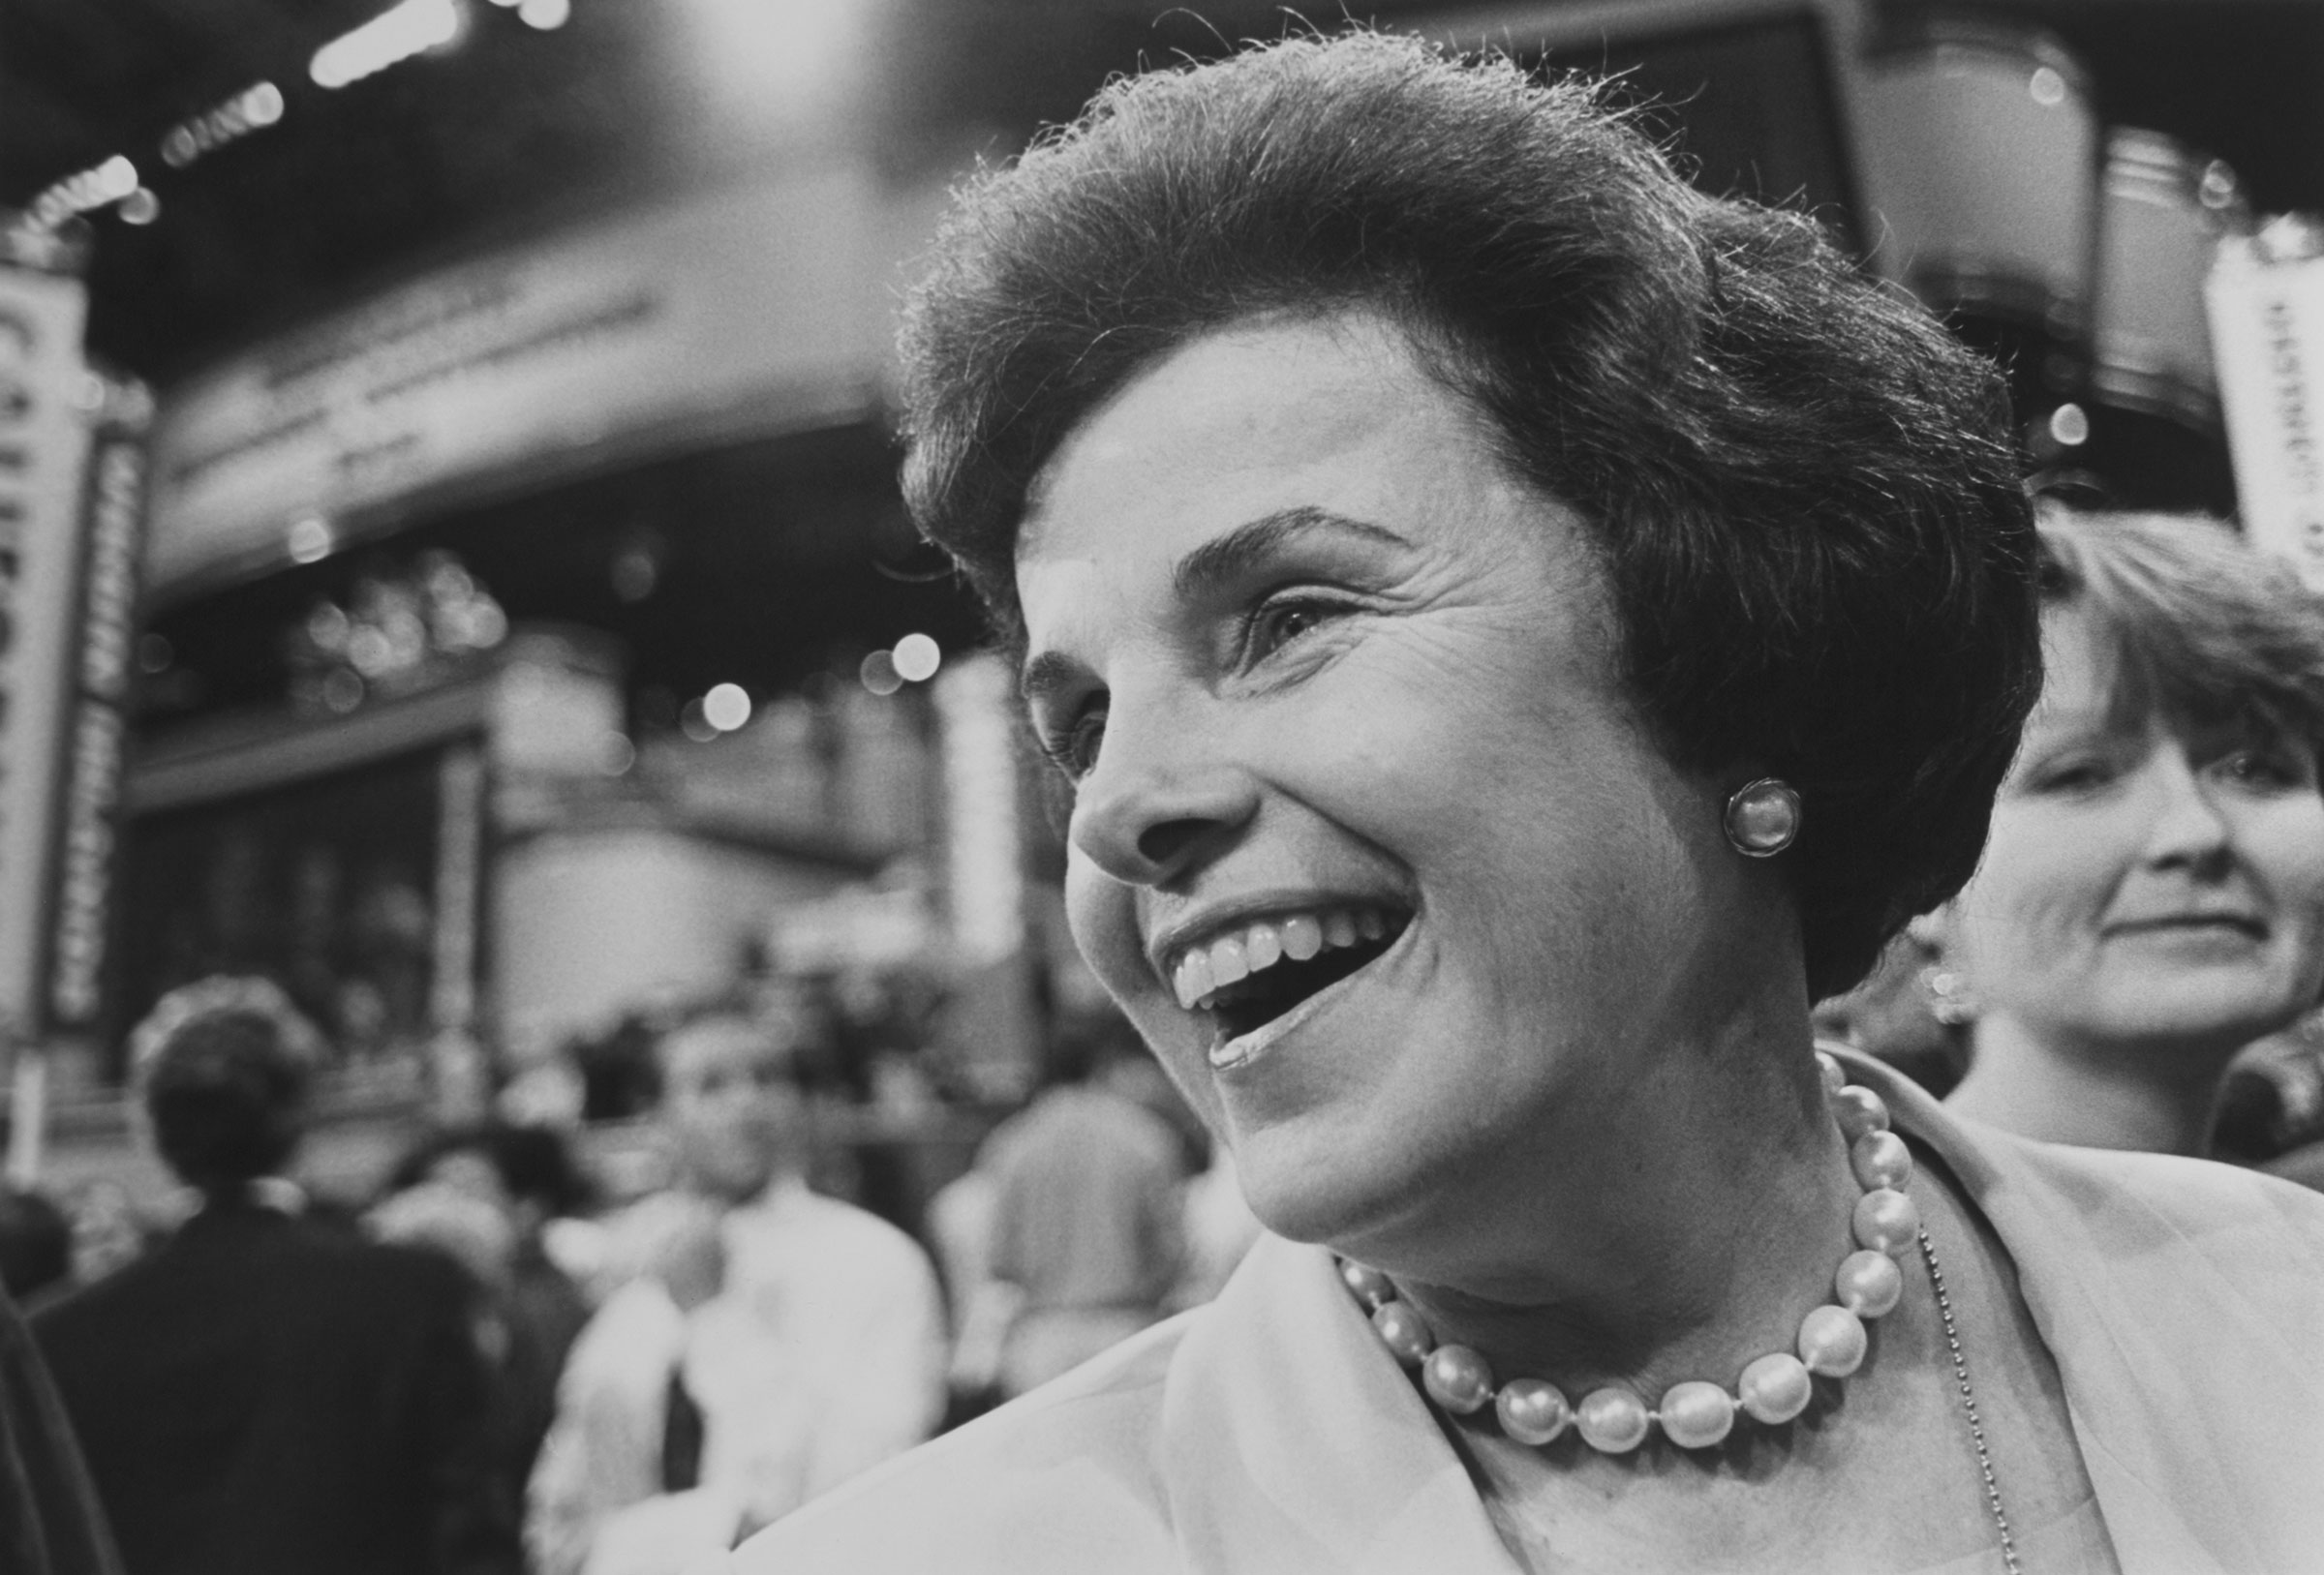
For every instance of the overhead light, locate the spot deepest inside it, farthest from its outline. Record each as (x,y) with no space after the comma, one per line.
(410,28)
(260,104)
(310,540)
(141,208)
(916,657)
(726,707)
(546,14)
(84,191)
(878,673)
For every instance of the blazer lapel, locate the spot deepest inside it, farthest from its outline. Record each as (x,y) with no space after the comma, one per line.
(1292,1440)
(2169,1321)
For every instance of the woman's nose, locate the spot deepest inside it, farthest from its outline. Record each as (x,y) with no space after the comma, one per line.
(2188,830)
(1146,821)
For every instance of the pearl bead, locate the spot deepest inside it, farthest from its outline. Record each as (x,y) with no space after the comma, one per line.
(1458,1378)
(1777,1387)
(1370,1286)
(1403,1331)
(1835,1075)
(1859,1110)
(1831,1342)
(1532,1412)
(1881,1159)
(1696,1415)
(1763,818)
(1868,1284)
(1612,1421)
(1887,1219)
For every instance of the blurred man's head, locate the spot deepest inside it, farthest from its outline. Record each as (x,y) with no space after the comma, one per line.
(729,1104)
(226,1090)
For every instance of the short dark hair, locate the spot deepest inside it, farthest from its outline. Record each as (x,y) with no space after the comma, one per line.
(227,1096)
(2204,627)
(1803,491)
(534,1164)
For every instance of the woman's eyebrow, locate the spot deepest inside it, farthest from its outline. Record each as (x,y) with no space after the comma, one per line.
(1045,674)
(1228,556)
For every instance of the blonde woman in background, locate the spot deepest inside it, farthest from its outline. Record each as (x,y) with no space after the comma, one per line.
(2151,898)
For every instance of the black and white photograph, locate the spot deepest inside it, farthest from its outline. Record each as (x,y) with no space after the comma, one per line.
(1104,787)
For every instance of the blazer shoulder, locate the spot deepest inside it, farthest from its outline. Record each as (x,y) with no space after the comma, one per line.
(1062,1479)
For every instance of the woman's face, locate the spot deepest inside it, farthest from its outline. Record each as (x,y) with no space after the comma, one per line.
(2143,884)
(1338,694)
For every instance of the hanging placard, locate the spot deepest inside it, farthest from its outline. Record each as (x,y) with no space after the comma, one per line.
(2266,299)
(46,400)
(97,709)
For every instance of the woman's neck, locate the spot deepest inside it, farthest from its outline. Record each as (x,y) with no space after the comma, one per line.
(2151,1098)
(1672,1235)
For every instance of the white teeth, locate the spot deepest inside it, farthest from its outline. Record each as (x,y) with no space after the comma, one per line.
(1233,957)
(1194,978)
(1261,946)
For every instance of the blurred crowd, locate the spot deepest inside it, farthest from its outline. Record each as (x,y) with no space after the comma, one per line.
(724,1254)
(536,1349)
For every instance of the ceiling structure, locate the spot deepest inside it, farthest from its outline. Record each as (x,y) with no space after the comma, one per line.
(518,125)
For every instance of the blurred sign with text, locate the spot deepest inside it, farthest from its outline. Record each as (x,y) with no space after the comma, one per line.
(2266,299)
(47,396)
(732,311)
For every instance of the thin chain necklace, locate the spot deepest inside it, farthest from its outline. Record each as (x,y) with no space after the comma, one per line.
(1968,1403)
(1775,1388)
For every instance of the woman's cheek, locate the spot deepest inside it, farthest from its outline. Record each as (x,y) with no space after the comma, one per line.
(1102,916)
(2288,858)
(2039,894)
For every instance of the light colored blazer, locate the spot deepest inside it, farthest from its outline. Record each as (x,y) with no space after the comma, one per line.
(1269,1432)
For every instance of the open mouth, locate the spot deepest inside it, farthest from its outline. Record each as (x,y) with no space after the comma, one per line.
(1255,973)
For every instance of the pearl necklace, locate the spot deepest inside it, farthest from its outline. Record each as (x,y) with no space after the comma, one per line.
(1773,1389)
(1696,1415)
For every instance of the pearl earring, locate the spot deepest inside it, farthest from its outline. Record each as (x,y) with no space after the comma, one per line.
(1951,1002)
(1762,818)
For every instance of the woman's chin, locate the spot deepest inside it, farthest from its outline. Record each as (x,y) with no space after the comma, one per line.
(1328,1189)
(2218,1014)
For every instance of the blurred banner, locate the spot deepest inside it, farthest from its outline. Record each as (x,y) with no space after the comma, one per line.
(96,727)
(2265,297)
(736,310)
(46,399)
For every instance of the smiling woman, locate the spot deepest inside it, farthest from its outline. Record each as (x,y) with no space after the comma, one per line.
(1516,630)
(2153,898)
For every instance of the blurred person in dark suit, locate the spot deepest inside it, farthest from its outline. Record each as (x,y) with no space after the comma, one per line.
(517,1179)
(262,1394)
(36,1244)
(50,1520)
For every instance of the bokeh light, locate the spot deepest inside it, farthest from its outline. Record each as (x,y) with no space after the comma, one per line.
(726,707)
(916,658)
(310,540)
(879,673)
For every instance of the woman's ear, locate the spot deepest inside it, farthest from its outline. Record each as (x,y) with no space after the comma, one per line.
(1931,930)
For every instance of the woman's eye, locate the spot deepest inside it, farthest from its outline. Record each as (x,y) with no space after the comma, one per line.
(1280,623)
(1073,749)
(2072,776)
(2269,769)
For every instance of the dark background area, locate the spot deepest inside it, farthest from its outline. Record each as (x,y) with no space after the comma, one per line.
(780,557)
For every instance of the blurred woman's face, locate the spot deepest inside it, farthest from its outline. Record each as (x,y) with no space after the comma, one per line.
(1365,838)
(2144,883)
